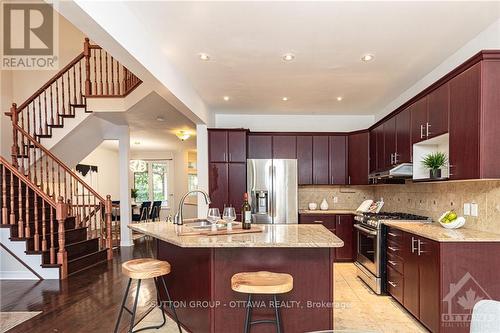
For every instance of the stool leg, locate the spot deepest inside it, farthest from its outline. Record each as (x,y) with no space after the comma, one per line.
(172,307)
(248,315)
(161,309)
(278,319)
(134,309)
(123,305)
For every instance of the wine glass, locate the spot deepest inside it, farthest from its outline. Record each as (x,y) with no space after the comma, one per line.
(213,216)
(229,216)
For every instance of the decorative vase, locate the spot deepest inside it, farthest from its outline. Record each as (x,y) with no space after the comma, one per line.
(435,173)
(324,205)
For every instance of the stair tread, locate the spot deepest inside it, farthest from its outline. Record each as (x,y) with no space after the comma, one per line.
(87,255)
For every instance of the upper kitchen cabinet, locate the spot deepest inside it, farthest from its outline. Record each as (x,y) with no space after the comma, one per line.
(227,145)
(284,146)
(380,152)
(321,168)
(373,151)
(403,137)
(260,146)
(305,159)
(389,128)
(418,112)
(338,159)
(357,161)
(438,107)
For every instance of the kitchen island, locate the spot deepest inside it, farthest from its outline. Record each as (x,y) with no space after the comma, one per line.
(202,267)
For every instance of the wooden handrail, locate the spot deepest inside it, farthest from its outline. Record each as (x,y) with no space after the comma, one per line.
(51,81)
(28,183)
(59,162)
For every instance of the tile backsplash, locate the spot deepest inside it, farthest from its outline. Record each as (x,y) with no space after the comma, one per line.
(428,199)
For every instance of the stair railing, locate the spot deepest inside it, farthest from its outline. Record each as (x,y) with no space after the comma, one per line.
(42,168)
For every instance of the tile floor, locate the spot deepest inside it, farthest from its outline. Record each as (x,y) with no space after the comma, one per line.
(357,309)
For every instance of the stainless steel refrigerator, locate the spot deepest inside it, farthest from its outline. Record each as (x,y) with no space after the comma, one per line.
(272,190)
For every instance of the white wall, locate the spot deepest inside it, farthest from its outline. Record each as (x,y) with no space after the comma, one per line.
(107,163)
(294,123)
(6,98)
(487,39)
(11,269)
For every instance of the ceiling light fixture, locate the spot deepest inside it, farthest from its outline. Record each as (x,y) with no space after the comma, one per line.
(284,99)
(183,135)
(288,56)
(160,118)
(226,98)
(339,98)
(367,57)
(137,142)
(204,56)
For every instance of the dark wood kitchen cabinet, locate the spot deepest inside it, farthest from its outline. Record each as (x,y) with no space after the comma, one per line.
(357,161)
(438,109)
(411,276)
(418,112)
(344,230)
(389,128)
(260,146)
(338,159)
(380,152)
(321,171)
(428,252)
(237,185)
(227,145)
(373,150)
(218,184)
(305,159)
(284,146)
(403,150)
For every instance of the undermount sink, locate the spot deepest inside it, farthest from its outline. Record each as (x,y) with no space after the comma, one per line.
(203,224)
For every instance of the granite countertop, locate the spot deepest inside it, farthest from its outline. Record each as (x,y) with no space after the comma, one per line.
(328,211)
(274,235)
(436,232)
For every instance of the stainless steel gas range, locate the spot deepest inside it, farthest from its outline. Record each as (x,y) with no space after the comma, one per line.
(371,256)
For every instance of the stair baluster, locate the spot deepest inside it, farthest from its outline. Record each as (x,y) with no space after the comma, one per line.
(4,197)
(62,255)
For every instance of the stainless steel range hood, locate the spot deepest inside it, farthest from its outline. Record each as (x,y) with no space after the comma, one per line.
(395,174)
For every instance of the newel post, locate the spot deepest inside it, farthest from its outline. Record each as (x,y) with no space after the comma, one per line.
(62,256)
(15,146)
(108,216)
(86,54)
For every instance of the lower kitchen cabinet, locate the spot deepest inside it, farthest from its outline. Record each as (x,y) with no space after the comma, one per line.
(341,226)
(432,280)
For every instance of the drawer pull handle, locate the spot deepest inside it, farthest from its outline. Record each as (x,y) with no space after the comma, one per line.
(318,221)
(392,284)
(393,263)
(393,249)
(393,234)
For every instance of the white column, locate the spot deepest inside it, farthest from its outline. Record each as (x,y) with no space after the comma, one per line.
(202,166)
(125,185)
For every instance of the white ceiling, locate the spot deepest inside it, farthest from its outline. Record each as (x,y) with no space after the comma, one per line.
(151,134)
(247,39)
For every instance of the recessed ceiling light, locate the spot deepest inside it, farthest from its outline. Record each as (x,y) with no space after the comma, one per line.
(288,56)
(339,98)
(226,98)
(367,57)
(204,56)
(160,118)
(183,135)
(137,142)
(284,99)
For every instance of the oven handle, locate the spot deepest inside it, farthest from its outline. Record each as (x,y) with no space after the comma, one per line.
(366,231)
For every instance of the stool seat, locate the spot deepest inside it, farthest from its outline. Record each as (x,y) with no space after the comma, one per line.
(146,268)
(262,282)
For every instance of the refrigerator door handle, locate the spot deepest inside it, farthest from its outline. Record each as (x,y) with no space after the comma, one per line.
(273,215)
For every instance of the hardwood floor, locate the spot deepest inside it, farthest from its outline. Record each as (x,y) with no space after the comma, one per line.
(86,302)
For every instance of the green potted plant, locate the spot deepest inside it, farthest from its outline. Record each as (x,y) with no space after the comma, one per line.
(133,194)
(434,162)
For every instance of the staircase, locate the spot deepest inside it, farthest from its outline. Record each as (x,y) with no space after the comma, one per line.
(45,205)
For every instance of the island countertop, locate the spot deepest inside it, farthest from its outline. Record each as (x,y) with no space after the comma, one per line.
(273,236)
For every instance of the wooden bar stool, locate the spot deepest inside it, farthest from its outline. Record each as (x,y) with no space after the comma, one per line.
(140,269)
(262,283)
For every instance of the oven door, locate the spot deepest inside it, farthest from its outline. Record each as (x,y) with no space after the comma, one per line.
(368,249)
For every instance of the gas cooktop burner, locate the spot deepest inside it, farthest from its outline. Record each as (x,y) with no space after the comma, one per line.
(373,219)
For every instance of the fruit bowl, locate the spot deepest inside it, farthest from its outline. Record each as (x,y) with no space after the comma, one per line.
(455,224)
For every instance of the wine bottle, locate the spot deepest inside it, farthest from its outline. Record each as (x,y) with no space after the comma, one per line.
(246,212)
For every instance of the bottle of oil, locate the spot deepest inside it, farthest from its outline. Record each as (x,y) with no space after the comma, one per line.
(246,212)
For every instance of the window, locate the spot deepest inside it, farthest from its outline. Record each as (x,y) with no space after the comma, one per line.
(152,184)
